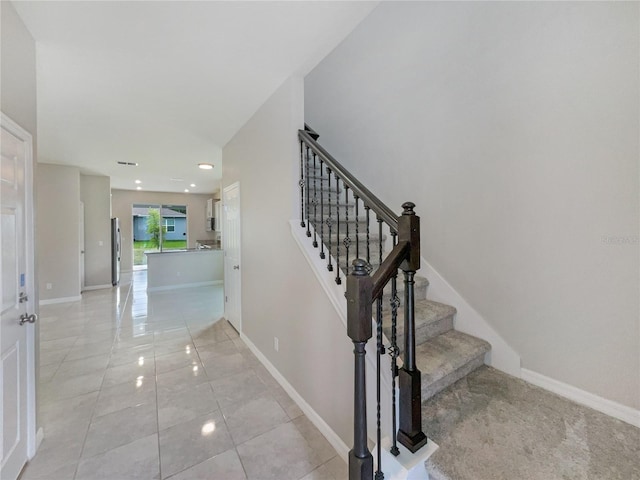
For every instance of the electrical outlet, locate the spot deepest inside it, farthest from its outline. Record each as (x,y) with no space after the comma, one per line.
(100,243)
(178,274)
(49,286)
(276,344)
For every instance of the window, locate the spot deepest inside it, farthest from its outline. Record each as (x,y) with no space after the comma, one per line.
(169,224)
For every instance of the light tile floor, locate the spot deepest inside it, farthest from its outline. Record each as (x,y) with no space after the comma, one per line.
(155,386)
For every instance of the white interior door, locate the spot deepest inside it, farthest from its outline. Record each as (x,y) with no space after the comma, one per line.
(17,371)
(231,245)
(81,238)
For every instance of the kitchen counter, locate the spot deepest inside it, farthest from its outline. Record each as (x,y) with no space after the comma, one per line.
(192,267)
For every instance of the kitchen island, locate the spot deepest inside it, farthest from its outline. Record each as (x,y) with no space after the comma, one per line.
(184,268)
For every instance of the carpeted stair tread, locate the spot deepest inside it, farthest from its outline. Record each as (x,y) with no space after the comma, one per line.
(432,319)
(446,358)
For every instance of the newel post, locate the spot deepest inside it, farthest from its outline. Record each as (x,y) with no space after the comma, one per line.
(410,432)
(359,291)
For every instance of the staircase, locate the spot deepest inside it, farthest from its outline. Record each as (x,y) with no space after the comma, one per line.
(344,222)
(443,355)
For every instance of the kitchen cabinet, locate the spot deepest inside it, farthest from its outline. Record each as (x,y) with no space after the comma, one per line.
(210,208)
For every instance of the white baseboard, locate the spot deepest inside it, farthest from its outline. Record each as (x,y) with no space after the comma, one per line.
(51,301)
(331,436)
(608,407)
(96,287)
(39,437)
(184,285)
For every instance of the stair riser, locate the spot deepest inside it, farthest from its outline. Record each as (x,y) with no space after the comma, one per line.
(419,292)
(424,332)
(324,229)
(429,391)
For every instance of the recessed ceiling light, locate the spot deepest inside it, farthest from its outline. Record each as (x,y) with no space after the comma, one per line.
(138,188)
(186,190)
(138,181)
(177,179)
(205,166)
(192,185)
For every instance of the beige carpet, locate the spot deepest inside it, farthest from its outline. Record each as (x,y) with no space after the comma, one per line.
(491,426)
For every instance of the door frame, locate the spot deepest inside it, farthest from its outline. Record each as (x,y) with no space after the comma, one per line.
(33,438)
(225,232)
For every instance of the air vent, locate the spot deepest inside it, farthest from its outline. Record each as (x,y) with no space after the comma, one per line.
(131,164)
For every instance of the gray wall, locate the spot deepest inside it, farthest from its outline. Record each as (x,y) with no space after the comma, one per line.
(122,203)
(58,231)
(95,193)
(280,295)
(514,128)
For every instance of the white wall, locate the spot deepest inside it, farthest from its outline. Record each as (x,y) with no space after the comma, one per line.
(57,231)
(514,128)
(95,194)
(280,295)
(122,203)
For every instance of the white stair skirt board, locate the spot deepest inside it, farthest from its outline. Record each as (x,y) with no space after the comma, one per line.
(469,321)
(51,301)
(331,436)
(184,285)
(608,407)
(407,465)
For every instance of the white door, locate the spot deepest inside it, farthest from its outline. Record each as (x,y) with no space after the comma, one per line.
(81,238)
(17,372)
(231,245)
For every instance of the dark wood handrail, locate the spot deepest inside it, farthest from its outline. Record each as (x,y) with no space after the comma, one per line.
(389,268)
(369,199)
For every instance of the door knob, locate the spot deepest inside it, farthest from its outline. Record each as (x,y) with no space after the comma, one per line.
(236,267)
(24,318)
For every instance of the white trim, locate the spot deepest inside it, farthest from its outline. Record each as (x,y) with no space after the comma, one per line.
(96,287)
(51,301)
(467,320)
(331,436)
(184,285)
(603,405)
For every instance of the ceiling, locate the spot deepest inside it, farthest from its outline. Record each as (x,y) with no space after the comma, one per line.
(167,84)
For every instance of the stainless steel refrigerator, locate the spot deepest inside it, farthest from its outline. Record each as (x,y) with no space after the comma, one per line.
(116,249)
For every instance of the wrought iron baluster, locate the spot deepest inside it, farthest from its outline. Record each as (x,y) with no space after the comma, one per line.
(338,279)
(330,222)
(321,209)
(307,185)
(379,241)
(394,352)
(347,239)
(355,199)
(367,209)
(315,203)
(301,183)
(380,351)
